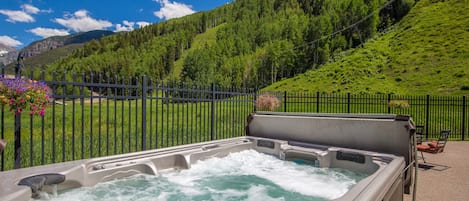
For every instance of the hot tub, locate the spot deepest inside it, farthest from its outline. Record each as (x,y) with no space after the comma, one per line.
(301,138)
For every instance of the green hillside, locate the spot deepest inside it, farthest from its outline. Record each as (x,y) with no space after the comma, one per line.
(244,43)
(427,52)
(203,40)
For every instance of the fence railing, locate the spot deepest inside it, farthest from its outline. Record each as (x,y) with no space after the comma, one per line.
(95,115)
(435,113)
(101,115)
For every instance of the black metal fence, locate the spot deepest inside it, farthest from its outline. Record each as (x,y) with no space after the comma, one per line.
(101,115)
(434,113)
(96,115)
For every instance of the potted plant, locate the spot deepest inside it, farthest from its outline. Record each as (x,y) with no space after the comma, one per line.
(21,95)
(267,102)
(24,95)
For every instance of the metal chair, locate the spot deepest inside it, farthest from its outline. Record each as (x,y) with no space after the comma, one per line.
(434,147)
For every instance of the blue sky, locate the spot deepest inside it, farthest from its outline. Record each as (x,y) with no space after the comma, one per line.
(25,21)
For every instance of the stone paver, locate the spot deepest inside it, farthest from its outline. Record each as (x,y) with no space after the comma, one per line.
(451,184)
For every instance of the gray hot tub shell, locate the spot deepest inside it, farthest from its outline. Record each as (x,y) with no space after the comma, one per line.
(325,138)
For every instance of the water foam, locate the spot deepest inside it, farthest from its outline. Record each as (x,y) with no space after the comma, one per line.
(246,175)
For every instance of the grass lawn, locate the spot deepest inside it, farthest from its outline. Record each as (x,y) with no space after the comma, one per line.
(78,131)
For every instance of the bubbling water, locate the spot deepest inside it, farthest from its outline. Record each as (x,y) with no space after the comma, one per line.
(246,175)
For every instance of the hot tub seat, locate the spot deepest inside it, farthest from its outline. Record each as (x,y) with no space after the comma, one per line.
(381,168)
(378,145)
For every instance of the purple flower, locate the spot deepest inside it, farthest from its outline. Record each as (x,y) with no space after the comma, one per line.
(24,94)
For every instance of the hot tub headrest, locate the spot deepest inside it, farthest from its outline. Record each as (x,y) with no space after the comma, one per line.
(373,132)
(382,133)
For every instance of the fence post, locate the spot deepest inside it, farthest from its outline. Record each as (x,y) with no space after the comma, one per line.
(427,115)
(212,126)
(463,125)
(348,102)
(255,100)
(389,107)
(17,153)
(17,140)
(2,126)
(317,102)
(144,112)
(285,101)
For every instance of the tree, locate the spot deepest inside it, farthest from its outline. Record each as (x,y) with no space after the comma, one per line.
(258,41)
(199,66)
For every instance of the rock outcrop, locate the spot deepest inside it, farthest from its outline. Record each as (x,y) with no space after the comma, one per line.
(7,54)
(54,42)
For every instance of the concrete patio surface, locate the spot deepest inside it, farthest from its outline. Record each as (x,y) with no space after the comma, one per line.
(444,176)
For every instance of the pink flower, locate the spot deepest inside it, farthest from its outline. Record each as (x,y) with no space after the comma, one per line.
(20,94)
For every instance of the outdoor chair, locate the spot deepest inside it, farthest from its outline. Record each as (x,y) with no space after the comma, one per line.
(435,146)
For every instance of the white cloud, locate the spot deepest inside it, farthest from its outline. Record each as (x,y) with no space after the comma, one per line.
(130,26)
(142,24)
(127,23)
(120,28)
(125,26)
(170,10)
(47,11)
(81,13)
(80,21)
(7,40)
(47,32)
(30,9)
(24,15)
(17,16)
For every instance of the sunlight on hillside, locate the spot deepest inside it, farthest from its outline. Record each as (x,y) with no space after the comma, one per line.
(200,41)
(426,53)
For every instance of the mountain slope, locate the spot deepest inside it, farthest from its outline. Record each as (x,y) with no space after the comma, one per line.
(427,52)
(252,41)
(203,40)
(50,56)
(7,54)
(45,45)
(49,50)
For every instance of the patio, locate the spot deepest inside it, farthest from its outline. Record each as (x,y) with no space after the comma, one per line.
(445,176)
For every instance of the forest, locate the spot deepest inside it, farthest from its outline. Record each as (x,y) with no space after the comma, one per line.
(255,42)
